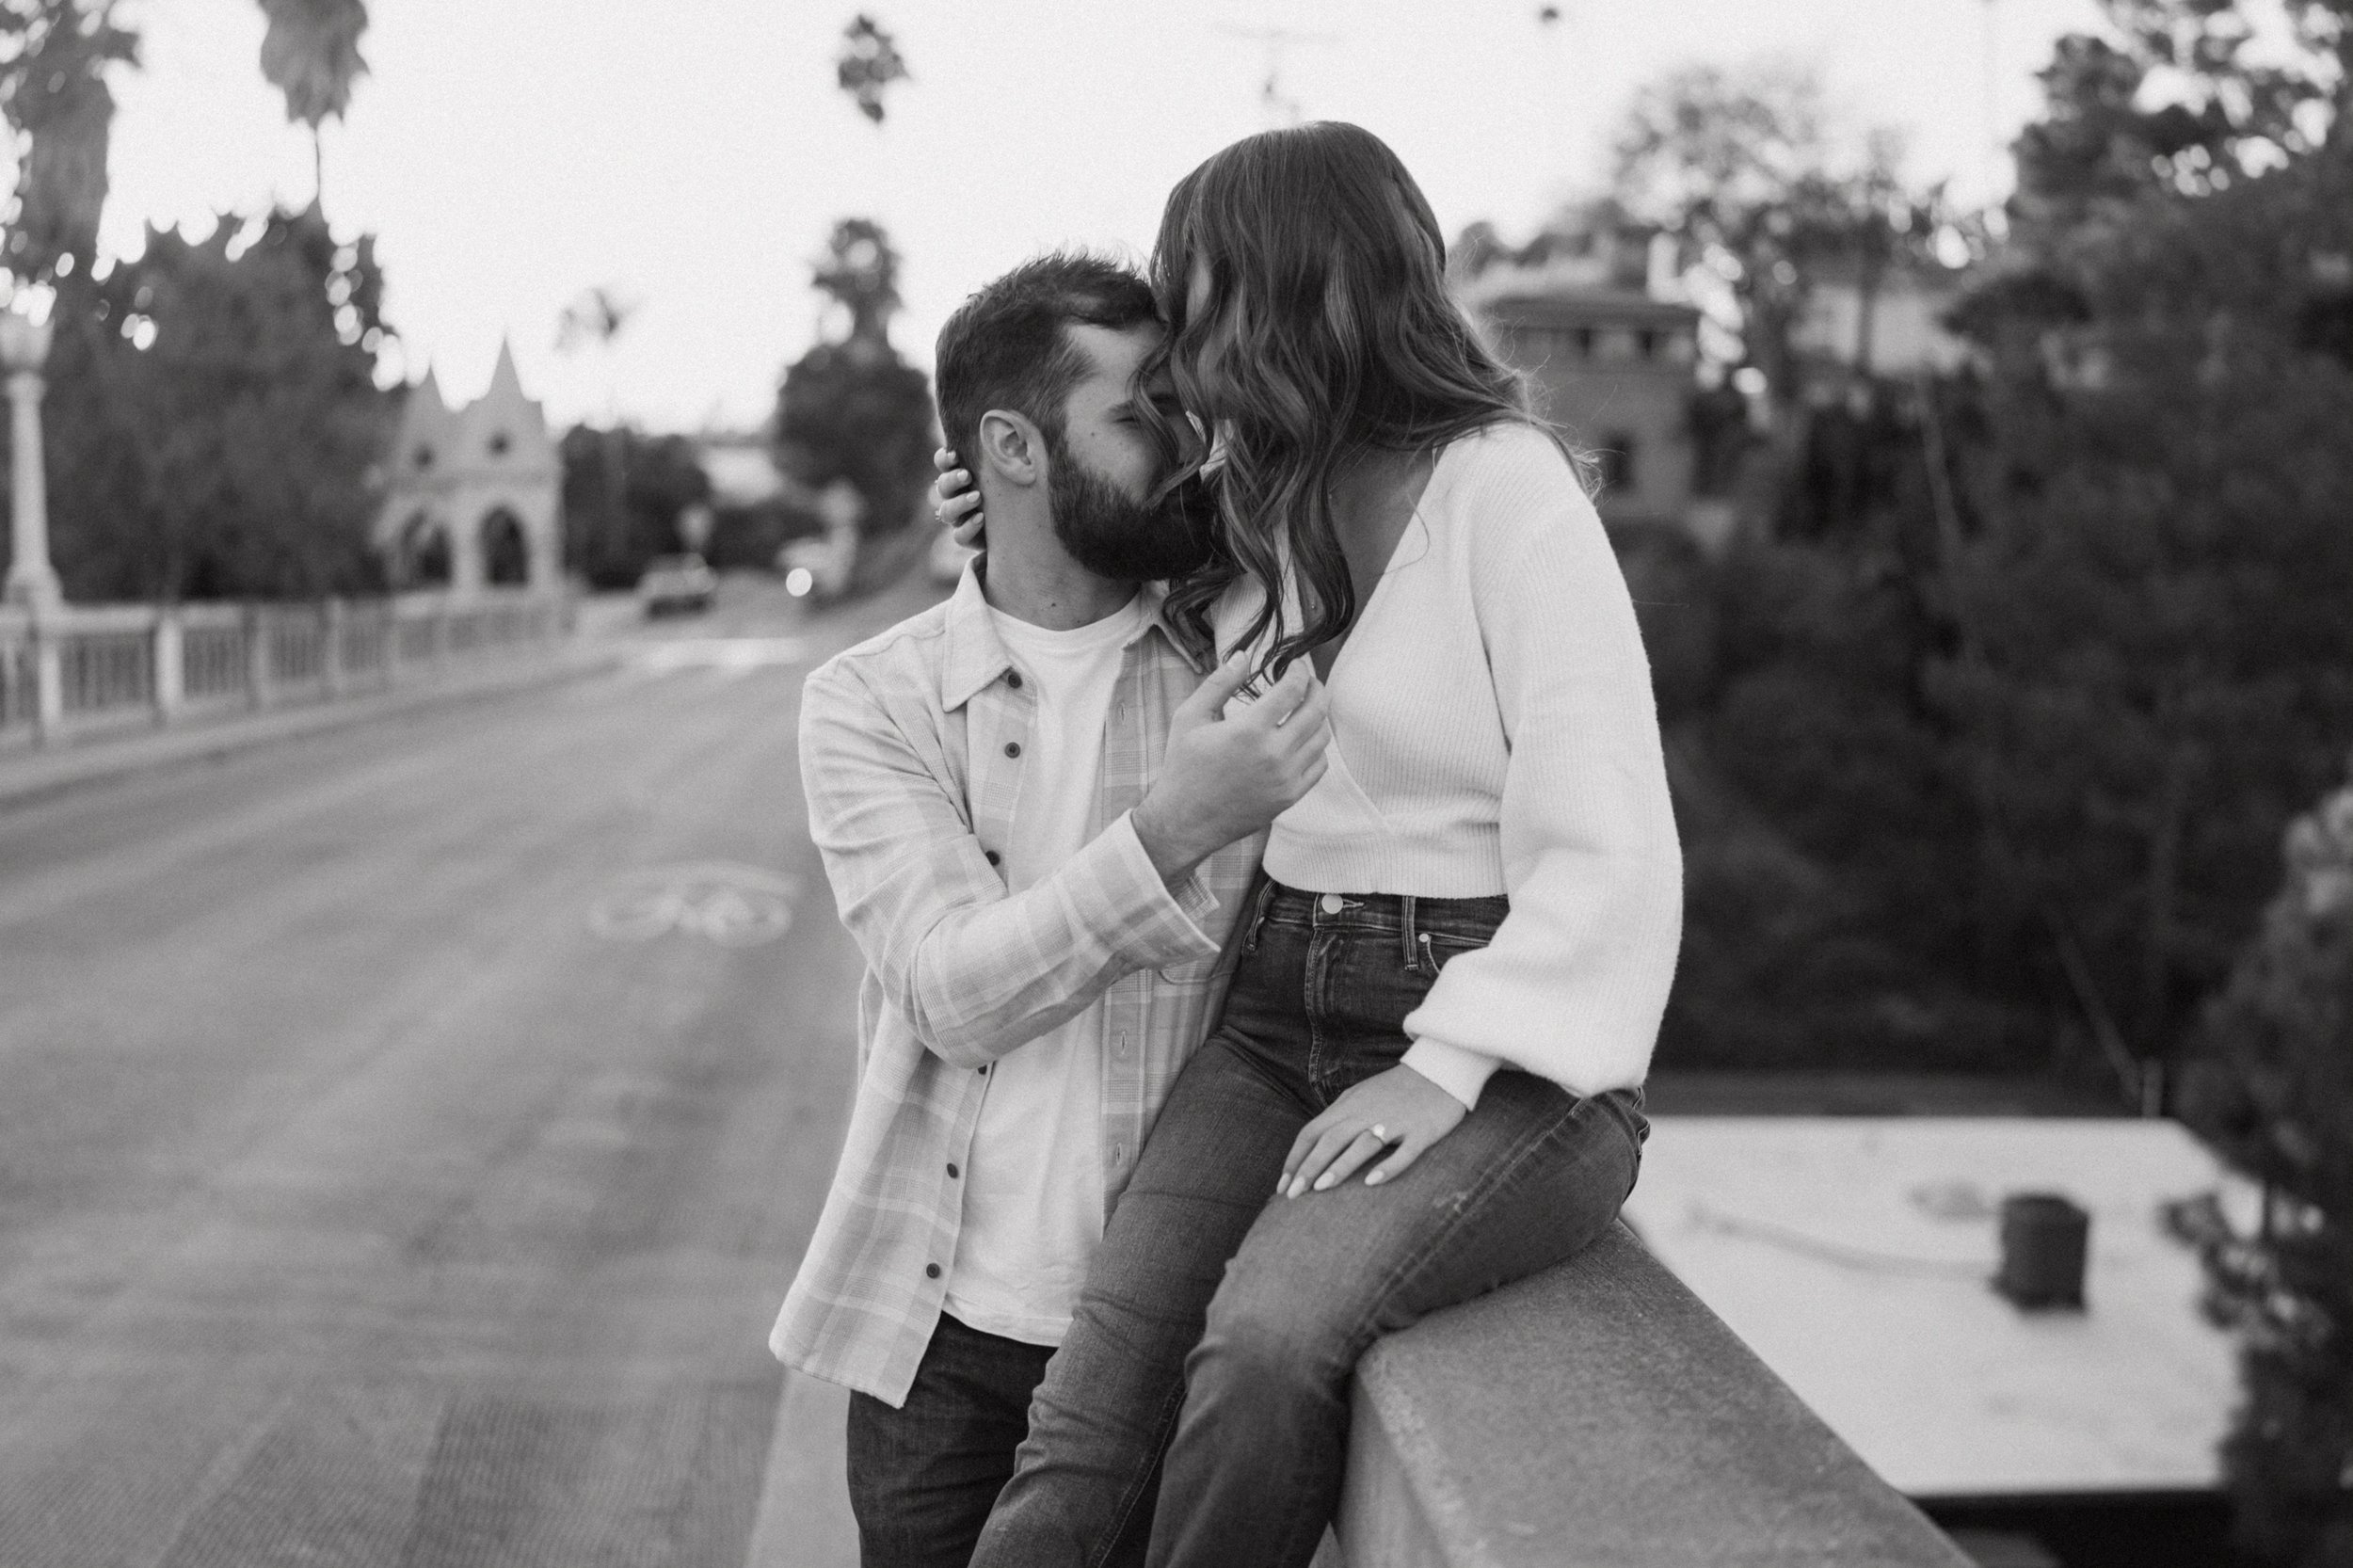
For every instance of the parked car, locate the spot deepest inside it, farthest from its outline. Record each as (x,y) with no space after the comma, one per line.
(677,582)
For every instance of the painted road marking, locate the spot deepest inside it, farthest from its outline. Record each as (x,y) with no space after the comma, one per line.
(736,906)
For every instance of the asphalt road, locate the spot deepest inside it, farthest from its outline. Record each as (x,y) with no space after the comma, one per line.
(406,1133)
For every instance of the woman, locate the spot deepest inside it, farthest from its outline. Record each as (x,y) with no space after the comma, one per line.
(1426,1082)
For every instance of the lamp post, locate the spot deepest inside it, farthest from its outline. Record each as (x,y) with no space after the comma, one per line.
(24,350)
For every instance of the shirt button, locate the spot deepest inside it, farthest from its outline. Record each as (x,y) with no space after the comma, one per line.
(1013,678)
(1013,748)
(952,1167)
(992,855)
(1119,1154)
(1332,904)
(931,1270)
(1121,1048)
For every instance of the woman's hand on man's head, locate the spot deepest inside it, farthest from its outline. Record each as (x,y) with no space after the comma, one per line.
(956,500)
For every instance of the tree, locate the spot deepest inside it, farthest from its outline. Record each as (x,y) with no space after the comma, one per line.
(2275,1096)
(2154,569)
(859,273)
(595,320)
(851,408)
(213,411)
(311,54)
(1747,173)
(623,493)
(1995,750)
(214,416)
(53,59)
(869,63)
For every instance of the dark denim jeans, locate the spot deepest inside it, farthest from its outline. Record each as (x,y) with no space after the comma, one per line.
(1221,1324)
(922,1477)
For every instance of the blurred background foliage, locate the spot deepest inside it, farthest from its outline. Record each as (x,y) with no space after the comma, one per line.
(1986,723)
(213,420)
(851,408)
(625,493)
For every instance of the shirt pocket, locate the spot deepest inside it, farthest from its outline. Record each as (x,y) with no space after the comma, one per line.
(1196,972)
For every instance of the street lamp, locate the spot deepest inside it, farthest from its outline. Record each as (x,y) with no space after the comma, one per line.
(24,334)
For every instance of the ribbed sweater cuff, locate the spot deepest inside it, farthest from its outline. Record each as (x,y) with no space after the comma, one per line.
(1461,1072)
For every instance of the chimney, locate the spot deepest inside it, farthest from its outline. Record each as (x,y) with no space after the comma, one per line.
(2045,1239)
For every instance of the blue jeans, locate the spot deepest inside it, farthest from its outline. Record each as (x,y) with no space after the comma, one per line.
(923,1475)
(1209,1359)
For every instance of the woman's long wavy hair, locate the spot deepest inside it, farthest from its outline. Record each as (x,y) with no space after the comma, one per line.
(1327,333)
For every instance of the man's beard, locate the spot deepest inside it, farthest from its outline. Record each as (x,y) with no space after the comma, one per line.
(1114,536)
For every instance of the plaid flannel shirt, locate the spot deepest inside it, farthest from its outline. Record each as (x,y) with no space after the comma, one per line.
(911,759)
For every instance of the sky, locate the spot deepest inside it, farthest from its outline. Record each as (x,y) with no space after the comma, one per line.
(693,155)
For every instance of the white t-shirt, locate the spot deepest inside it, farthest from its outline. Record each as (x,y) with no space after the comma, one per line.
(1033,1180)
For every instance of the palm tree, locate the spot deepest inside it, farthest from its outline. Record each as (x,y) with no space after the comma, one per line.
(53,59)
(311,55)
(595,320)
(869,62)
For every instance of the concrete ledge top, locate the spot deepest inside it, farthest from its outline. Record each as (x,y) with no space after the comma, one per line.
(1599,1414)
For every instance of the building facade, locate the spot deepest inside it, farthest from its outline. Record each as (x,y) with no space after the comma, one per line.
(473,496)
(1612,369)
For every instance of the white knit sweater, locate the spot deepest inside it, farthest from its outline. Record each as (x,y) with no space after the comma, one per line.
(1494,733)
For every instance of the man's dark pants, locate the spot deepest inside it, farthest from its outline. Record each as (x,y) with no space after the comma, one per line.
(922,1477)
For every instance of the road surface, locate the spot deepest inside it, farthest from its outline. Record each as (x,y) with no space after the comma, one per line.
(406,1133)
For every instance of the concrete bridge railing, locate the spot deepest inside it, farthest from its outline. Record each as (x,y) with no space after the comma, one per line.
(1599,1414)
(88,667)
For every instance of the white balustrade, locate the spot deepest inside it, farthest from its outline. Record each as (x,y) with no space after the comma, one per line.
(73,668)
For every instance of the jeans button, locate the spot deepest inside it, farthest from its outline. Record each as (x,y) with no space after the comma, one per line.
(1332,904)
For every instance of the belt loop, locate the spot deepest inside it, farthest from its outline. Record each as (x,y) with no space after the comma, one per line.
(1405,929)
(1258,913)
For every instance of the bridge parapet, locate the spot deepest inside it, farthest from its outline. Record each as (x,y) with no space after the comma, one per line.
(1599,1415)
(91,667)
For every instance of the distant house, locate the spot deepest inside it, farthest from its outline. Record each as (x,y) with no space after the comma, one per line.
(1892,328)
(1611,367)
(473,495)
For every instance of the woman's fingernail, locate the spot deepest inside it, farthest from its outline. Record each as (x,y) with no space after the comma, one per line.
(1376,1178)
(1324,1182)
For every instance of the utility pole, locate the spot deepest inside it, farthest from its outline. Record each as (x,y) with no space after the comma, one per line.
(1279,110)
(1989,141)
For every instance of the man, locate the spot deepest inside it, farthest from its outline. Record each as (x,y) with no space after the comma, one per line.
(1039,832)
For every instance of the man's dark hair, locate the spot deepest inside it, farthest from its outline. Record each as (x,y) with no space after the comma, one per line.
(1005,347)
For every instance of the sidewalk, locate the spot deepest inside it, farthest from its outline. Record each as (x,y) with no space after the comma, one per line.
(28,773)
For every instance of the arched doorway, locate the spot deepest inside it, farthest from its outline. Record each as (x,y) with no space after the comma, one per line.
(505,551)
(421,558)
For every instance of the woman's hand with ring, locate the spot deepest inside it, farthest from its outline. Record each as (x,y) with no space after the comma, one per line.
(1399,1109)
(956,500)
